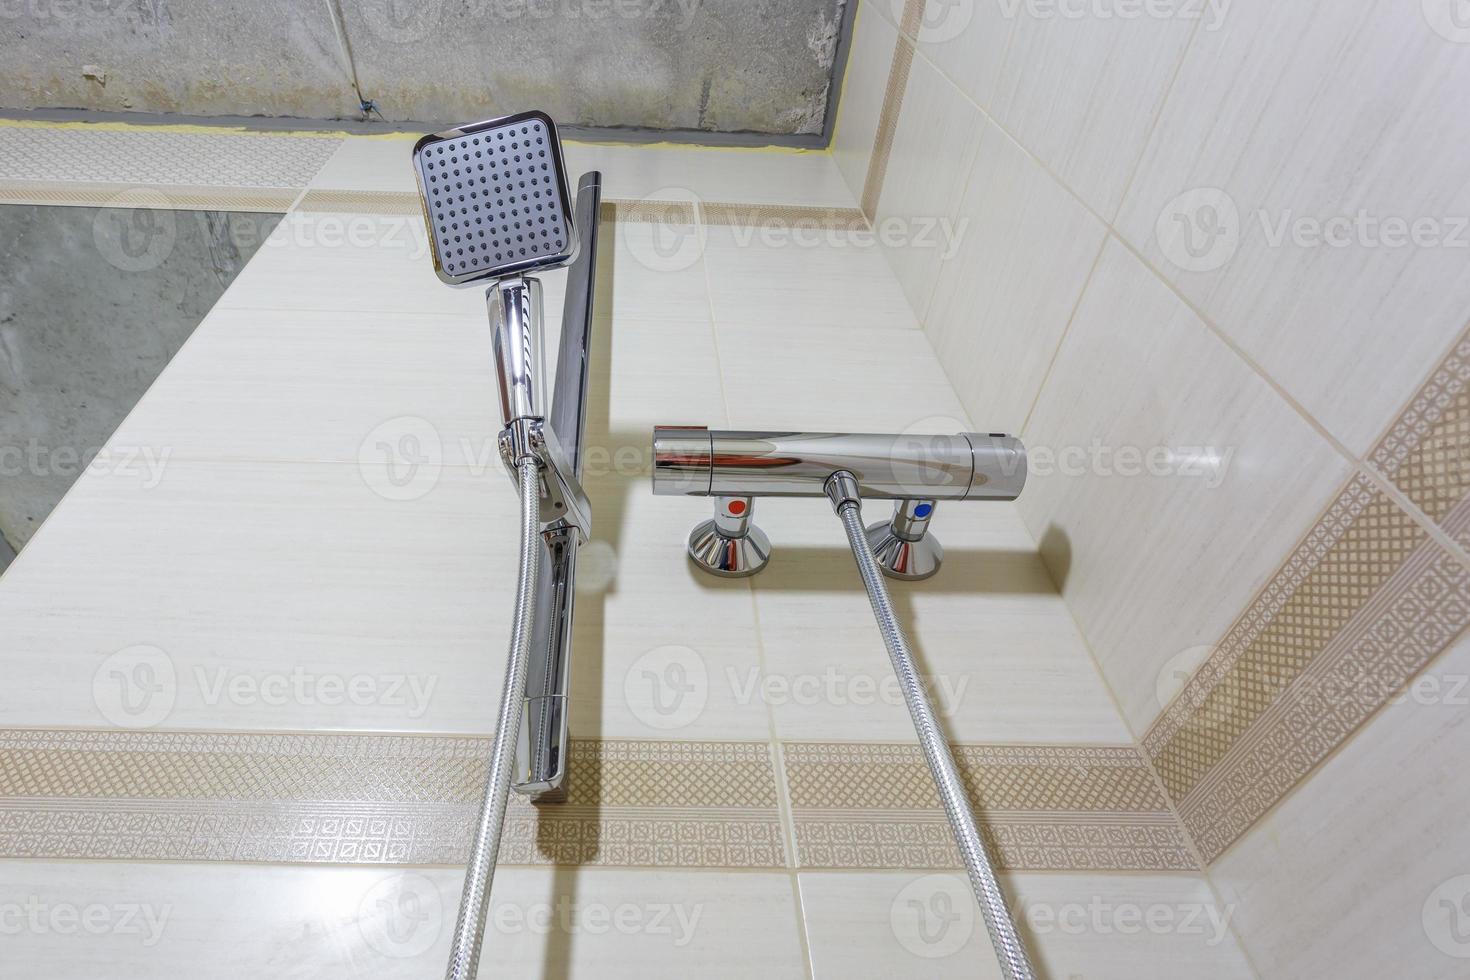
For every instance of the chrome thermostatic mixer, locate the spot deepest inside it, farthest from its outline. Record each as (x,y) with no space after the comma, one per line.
(914,471)
(917,472)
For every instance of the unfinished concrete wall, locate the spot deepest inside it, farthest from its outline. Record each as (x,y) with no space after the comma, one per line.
(93,304)
(718,66)
(234,57)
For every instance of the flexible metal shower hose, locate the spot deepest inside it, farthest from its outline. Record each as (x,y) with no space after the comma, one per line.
(1008,948)
(469,930)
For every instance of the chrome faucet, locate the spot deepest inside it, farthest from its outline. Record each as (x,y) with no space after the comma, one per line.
(914,471)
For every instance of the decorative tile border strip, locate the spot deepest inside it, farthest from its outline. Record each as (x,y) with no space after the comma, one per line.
(641,211)
(403,799)
(892,106)
(1365,602)
(1427,451)
(377,799)
(361,202)
(1074,808)
(270,200)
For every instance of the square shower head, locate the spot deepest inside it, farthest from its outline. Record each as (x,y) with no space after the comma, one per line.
(495,198)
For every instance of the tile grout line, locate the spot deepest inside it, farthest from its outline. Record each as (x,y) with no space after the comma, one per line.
(1056,354)
(1460,553)
(778,757)
(1203,872)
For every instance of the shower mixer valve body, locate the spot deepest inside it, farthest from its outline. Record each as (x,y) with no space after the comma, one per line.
(916,472)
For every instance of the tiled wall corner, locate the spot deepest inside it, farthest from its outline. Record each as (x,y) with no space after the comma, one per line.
(869,65)
(1360,874)
(1165,474)
(1293,140)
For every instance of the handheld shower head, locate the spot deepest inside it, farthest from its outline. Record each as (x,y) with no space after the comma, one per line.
(495,198)
(496,205)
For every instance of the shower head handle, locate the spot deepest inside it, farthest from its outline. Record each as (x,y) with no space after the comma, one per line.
(518,343)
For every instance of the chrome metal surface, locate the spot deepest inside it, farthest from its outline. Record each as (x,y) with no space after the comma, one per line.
(542,760)
(562,501)
(518,343)
(979,864)
(965,466)
(730,545)
(469,928)
(532,227)
(903,545)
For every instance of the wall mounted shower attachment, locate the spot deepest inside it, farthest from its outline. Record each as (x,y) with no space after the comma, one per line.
(496,207)
(914,471)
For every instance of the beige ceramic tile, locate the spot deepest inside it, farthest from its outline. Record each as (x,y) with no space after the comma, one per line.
(313,386)
(801,277)
(381,163)
(835,379)
(968,43)
(265,596)
(1006,295)
(1361,872)
(213,921)
(657,640)
(1292,143)
(1160,547)
(1082,91)
(868,62)
(1004,658)
(933,149)
(1078,927)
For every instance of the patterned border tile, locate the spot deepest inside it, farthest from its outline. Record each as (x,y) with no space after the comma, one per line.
(1092,808)
(399,799)
(898,83)
(377,799)
(1365,602)
(1427,451)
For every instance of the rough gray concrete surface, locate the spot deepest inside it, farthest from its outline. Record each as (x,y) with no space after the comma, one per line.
(718,66)
(93,303)
(231,57)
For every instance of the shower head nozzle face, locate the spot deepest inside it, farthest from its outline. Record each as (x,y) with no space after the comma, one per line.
(495,198)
